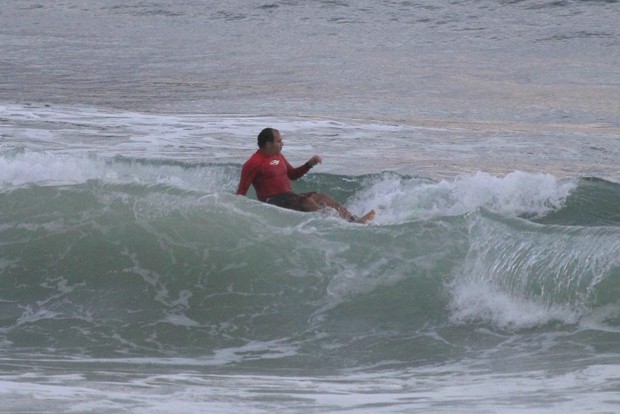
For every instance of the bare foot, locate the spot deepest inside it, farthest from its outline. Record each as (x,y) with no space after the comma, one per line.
(366,217)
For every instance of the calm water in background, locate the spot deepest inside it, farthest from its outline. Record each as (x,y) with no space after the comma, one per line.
(485,133)
(514,78)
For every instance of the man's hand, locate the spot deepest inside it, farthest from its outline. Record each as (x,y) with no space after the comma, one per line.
(314,161)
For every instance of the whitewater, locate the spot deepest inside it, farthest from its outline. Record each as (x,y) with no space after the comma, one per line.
(484,134)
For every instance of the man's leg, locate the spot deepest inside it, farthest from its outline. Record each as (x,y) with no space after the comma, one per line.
(318,201)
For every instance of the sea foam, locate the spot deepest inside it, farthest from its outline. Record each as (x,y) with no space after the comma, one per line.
(399,198)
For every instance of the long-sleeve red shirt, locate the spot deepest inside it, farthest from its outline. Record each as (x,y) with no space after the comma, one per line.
(269,174)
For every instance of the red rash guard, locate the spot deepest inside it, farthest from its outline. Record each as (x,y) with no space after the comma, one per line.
(269,174)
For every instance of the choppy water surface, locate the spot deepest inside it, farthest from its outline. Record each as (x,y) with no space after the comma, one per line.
(485,134)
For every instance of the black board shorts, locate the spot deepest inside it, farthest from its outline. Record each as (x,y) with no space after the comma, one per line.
(292,201)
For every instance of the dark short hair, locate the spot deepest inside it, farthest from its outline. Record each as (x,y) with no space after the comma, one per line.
(265,136)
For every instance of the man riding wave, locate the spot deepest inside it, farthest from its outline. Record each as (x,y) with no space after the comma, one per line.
(271,174)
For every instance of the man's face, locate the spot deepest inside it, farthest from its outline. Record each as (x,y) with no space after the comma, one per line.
(275,147)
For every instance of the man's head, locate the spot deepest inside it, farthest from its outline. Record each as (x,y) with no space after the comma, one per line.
(270,141)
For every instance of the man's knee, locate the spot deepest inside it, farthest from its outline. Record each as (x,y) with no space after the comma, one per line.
(311,203)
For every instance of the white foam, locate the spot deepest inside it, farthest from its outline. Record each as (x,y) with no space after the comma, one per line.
(31,315)
(475,300)
(444,388)
(514,194)
(399,198)
(181,320)
(45,168)
(255,350)
(40,168)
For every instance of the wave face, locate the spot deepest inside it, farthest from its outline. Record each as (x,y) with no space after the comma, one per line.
(132,258)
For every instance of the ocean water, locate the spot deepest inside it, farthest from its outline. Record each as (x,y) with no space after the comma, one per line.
(484,133)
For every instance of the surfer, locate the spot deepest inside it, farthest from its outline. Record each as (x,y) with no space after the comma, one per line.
(271,174)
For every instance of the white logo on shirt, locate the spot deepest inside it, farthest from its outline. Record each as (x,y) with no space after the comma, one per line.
(274,162)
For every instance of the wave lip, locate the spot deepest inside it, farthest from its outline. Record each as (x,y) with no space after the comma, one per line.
(41,168)
(29,168)
(517,274)
(515,194)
